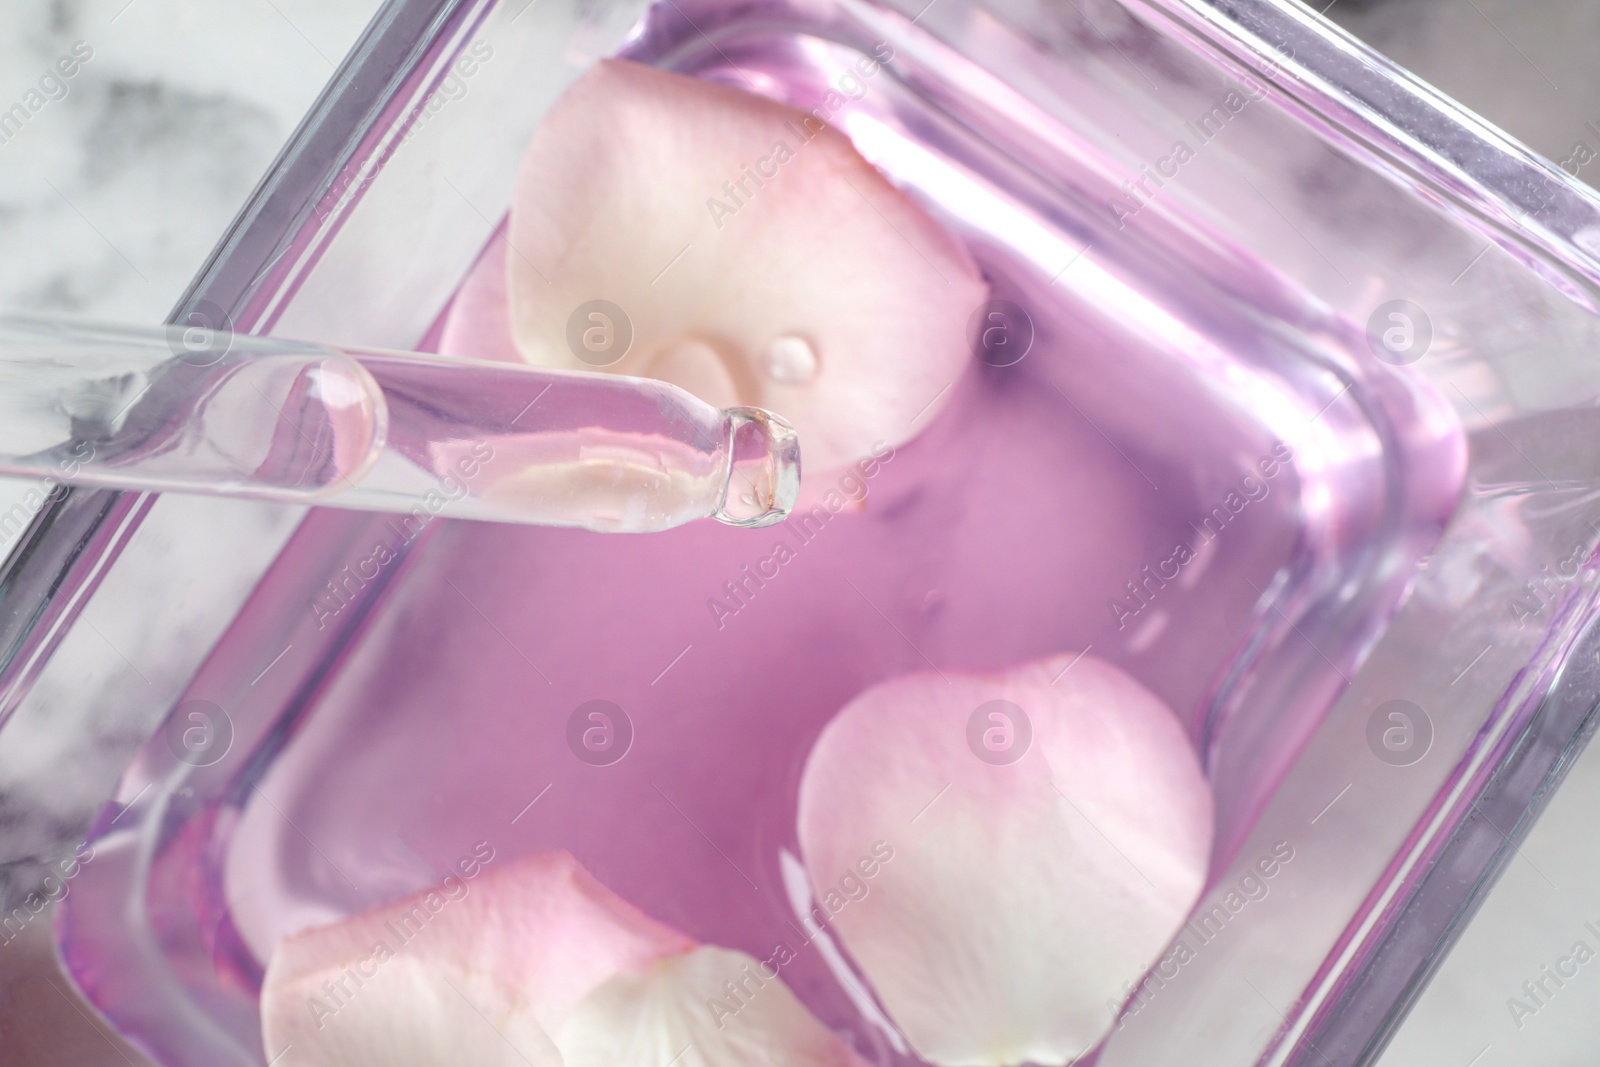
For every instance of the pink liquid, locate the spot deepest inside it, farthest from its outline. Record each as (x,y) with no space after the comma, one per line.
(1005,532)
(999,536)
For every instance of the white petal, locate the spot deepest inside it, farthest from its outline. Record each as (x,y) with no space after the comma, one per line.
(682,1012)
(1022,898)
(616,201)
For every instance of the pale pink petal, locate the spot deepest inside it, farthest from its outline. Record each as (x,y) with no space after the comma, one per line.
(531,938)
(532,963)
(410,1013)
(478,325)
(1019,900)
(822,293)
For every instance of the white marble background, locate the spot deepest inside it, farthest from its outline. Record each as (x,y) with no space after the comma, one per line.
(111,197)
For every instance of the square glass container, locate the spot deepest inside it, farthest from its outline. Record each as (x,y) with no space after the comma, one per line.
(1240,243)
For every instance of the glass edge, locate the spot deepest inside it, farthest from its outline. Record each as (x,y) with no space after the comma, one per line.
(1549,220)
(1489,825)
(1407,129)
(270,224)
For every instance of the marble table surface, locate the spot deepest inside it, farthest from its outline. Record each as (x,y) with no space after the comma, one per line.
(112,193)
(123,176)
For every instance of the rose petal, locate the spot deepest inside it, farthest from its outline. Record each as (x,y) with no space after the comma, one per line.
(708,1008)
(410,1013)
(486,970)
(1021,899)
(822,293)
(478,325)
(521,944)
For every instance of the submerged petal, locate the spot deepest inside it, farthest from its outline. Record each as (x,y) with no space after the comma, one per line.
(535,964)
(1050,829)
(712,1007)
(755,256)
(519,945)
(409,1013)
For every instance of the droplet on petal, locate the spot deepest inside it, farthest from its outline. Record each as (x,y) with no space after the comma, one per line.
(1050,829)
(790,360)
